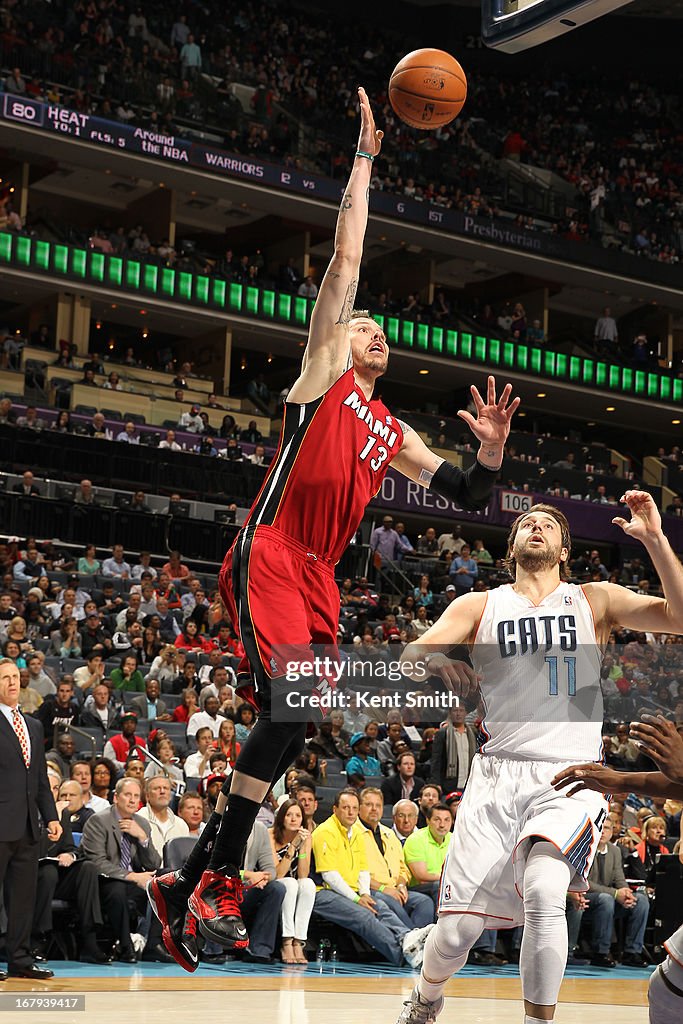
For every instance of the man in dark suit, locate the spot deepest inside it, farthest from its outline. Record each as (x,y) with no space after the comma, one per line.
(149,705)
(453,748)
(64,875)
(405,784)
(27,486)
(24,792)
(118,843)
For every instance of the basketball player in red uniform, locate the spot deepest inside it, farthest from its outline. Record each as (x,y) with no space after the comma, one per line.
(277,581)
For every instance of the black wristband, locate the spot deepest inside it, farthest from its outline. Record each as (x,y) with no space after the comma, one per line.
(471,489)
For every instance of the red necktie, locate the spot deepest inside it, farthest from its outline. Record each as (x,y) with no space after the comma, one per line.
(19,727)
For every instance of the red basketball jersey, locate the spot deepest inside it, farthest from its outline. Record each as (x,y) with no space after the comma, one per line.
(331,460)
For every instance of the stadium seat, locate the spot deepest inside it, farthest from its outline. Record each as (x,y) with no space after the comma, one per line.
(85,410)
(135,417)
(111,414)
(177,851)
(97,735)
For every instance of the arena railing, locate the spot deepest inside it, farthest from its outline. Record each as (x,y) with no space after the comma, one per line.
(61,262)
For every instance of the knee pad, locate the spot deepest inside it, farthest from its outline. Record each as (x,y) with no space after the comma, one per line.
(455,934)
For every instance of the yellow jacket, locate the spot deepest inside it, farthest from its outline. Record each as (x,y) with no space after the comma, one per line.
(390,869)
(335,850)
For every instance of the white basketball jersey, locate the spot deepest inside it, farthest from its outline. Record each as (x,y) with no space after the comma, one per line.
(540,676)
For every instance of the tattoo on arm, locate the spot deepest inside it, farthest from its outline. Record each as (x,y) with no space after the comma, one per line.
(346,203)
(349,299)
(405,427)
(367,195)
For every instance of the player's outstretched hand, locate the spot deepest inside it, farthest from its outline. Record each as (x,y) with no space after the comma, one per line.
(457,676)
(645,521)
(492,424)
(370,138)
(588,776)
(660,740)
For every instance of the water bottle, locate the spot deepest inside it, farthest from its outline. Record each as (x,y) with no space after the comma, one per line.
(320,952)
(334,955)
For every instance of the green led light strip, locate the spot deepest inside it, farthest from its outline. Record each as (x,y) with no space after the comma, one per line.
(149,280)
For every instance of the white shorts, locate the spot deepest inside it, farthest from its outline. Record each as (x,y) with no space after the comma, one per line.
(506,805)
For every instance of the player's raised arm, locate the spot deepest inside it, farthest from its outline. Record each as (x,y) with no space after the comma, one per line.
(428,656)
(472,488)
(616,605)
(327,350)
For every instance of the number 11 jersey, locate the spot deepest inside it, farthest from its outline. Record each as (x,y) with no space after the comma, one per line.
(331,459)
(540,676)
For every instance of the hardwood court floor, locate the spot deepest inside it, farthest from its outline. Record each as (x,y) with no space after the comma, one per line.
(155,994)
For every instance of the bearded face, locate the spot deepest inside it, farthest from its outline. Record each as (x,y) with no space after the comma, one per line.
(538,544)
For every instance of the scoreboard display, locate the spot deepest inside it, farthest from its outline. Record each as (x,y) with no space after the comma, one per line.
(515,25)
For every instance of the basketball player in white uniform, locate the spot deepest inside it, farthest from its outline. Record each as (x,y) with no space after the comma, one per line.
(660,740)
(518,845)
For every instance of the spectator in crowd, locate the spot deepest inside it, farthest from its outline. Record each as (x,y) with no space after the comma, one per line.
(30,567)
(191,421)
(71,792)
(128,435)
(606,334)
(404,784)
(430,794)
(453,748)
(38,679)
(197,765)
(308,802)
(29,699)
(80,771)
(463,571)
(164,824)
(340,858)
(151,706)
(88,563)
(170,442)
(208,717)
(163,749)
(361,764)
(27,487)
(191,810)
(103,714)
(308,289)
(651,848)
(128,677)
(427,544)
(58,710)
(291,847)
(103,777)
(118,748)
(403,547)
(176,568)
(263,898)
(425,850)
(404,814)
(609,898)
(245,720)
(116,565)
(259,395)
(451,542)
(384,542)
(30,420)
(389,876)
(118,843)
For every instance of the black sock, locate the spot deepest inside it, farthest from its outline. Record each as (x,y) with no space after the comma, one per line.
(197,862)
(238,821)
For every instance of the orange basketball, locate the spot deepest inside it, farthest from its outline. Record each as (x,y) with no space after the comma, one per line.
(427,88)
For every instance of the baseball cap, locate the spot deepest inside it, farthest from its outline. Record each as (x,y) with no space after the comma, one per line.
(450,587)
(356,738)
(456,794)
(129,714)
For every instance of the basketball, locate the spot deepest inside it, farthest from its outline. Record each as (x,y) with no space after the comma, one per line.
(427,88)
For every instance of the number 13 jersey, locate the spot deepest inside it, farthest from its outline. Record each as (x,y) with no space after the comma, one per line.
(331,459)
(540,676)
